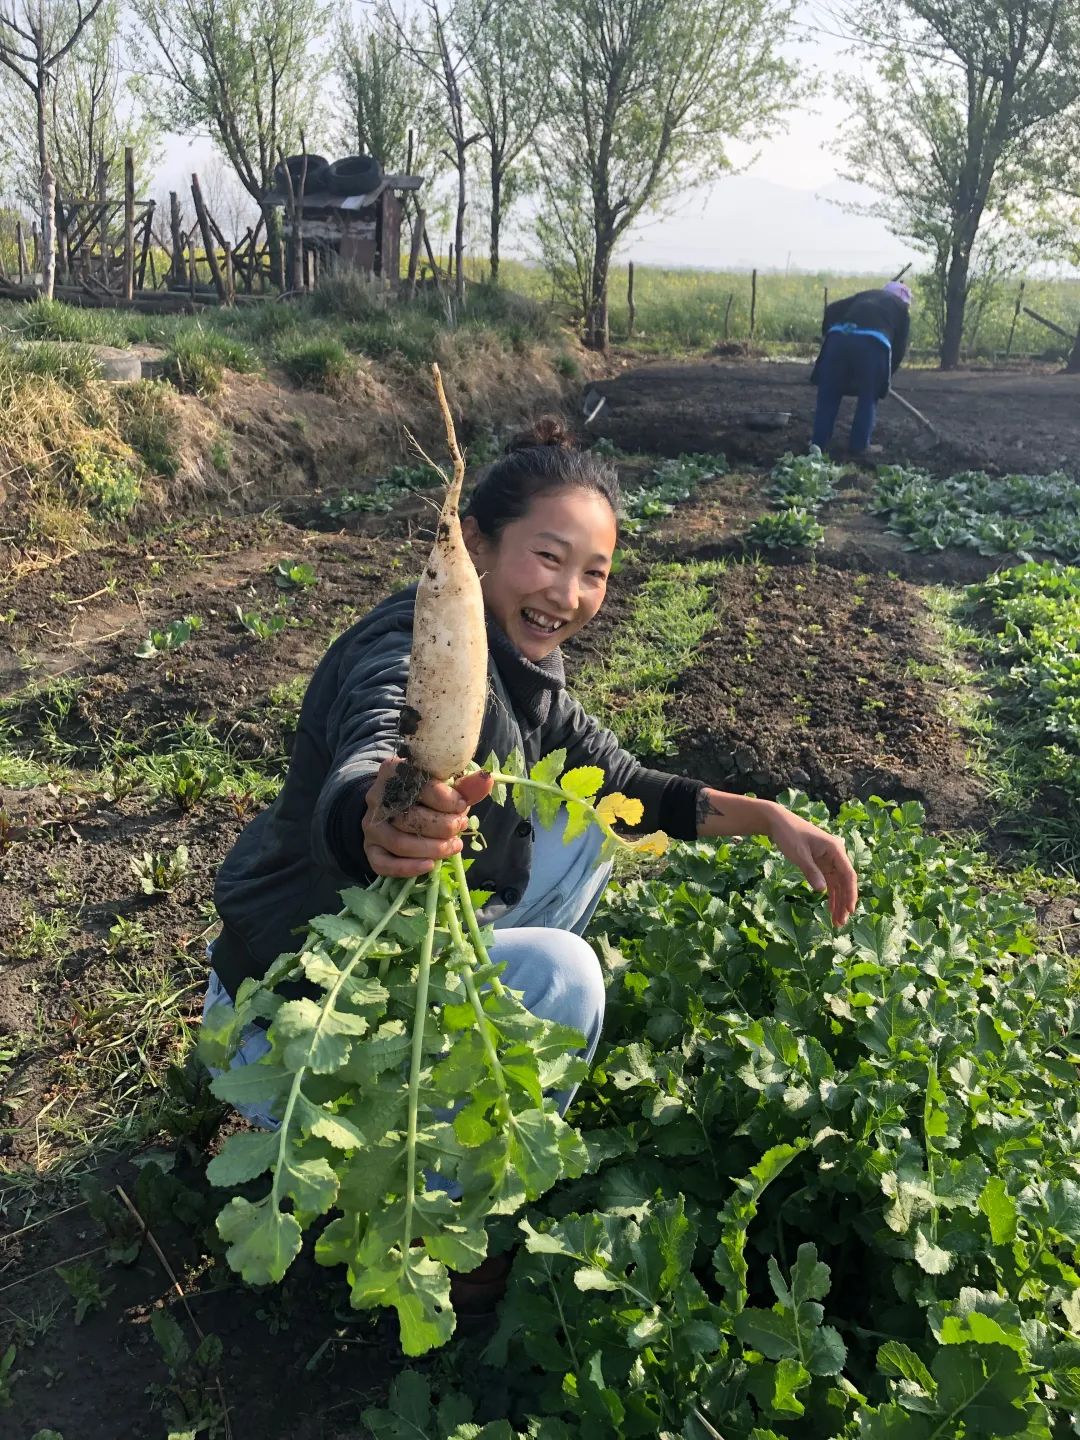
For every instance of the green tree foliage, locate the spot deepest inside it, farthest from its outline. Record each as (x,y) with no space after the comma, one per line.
(646,96)
(443,44)
(240,71)
(91,118)
(958,126)
(507,103)
(36,38)
(385,95)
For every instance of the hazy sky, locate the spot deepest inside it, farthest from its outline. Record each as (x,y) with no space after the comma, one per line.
(774,213)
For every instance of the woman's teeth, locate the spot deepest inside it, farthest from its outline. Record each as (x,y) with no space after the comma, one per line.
(542,622)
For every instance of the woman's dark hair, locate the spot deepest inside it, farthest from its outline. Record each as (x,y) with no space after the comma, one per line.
(541,461)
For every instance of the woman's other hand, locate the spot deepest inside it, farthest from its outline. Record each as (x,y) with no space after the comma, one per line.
(821,857)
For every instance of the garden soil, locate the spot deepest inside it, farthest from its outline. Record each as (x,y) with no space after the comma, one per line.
(1014,420)
(823,674)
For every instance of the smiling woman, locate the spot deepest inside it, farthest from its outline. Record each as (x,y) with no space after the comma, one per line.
(541,528)
(543,554)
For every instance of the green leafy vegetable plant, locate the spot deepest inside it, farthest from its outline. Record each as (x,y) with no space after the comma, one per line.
(1032,644)
(158,873)
(294,575)
(8,1376)
(161,642)
(804,481)
(786,530)
(262,629)
(994,515)
(187,780)
(385,492)
(87,1290)
(672,482)
(191,1401)
(832,1186)
(414,1093)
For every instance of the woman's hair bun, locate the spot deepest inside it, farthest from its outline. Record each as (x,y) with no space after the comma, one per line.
(547,430)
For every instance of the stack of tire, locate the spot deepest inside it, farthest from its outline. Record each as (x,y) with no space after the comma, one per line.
(353,175)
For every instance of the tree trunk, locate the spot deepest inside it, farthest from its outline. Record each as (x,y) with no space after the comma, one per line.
(459,228)
(48,193)
(596,318)
(272,218)
(496,217)
(956,289)
(48,233)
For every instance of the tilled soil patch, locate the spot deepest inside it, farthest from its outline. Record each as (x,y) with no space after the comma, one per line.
(1000,420)
(810,680)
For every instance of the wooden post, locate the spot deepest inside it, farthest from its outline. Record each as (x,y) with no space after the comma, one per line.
(431,260)
(62,256)
(630,300)
(727,314)
(144,249)
(208,240)
(153,268)
(230,278)
(179,270)
(191,264)
(753,303)
(35,246)
(103,202)
(409,154)
(20,241)
(1073,366)
(1016,317)
(129,222)
(414,250)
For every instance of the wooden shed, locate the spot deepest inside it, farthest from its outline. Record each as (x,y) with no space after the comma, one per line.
(362,232)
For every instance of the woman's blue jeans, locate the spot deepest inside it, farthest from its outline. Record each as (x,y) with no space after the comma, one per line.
(850,365)
(539,942)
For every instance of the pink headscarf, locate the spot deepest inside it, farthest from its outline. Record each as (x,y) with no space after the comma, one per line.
(899,289)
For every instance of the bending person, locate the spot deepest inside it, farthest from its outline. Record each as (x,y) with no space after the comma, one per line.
(865,337)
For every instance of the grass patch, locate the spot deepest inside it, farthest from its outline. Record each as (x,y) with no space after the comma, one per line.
(186,766)
(150,425)
(692,309)
(322,363)
(672,613)
(198,358)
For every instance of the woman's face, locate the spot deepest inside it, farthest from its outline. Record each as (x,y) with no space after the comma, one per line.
(545,575)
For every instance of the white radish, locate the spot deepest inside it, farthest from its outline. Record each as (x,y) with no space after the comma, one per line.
(448,682)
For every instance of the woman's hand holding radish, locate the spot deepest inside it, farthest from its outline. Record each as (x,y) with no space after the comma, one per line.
(410,844)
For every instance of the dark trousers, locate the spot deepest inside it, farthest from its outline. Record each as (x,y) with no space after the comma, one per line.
(850,365)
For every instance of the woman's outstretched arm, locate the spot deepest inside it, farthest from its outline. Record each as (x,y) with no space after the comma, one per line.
(820,856)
